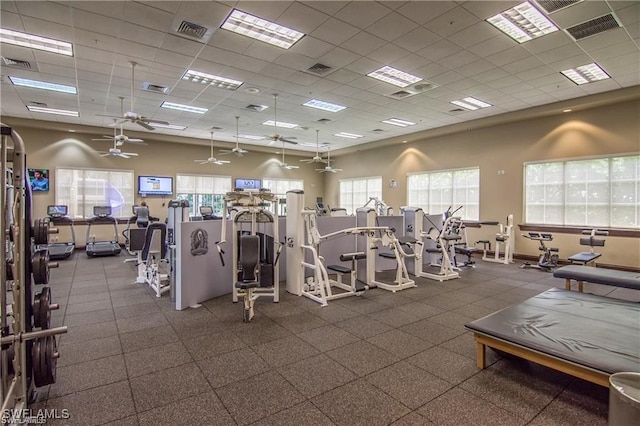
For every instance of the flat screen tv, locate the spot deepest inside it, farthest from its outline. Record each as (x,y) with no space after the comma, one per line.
(155,185)
(39,179)
(242,183)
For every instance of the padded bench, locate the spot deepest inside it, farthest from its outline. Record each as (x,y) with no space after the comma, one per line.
(603,276)
(581,334)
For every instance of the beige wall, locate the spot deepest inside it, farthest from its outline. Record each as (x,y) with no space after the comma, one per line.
(600,131)
(612,129)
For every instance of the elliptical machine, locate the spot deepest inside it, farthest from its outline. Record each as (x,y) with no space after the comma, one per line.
(548,259)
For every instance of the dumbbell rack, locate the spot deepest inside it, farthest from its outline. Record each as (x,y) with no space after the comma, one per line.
(28,356)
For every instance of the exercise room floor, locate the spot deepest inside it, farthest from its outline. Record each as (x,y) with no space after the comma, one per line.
(378,359)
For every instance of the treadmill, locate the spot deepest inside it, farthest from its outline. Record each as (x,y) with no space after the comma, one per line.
(61,250)
(102,215)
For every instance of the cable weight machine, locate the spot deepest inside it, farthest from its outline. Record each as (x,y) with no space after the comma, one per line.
(28,356)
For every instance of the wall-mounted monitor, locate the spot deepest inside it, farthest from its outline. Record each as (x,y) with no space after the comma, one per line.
(39,179)
(155,185)
(56,211)
(242,183)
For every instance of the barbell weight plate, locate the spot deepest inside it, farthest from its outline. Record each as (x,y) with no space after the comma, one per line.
(37,361)
(36,310)
(45,312)
(52,361)
(41,231)
(40,266)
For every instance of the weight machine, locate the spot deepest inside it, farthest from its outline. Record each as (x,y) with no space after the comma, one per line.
(504,236)
(414,221)
(152,259)
(28,356)
(587,257)
(548,259)
(249,210)
(380,207)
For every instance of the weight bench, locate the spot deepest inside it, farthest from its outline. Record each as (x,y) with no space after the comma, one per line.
(603,276)
(353,272)
(587,257)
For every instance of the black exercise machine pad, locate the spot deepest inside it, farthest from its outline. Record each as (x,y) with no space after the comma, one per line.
(593,331)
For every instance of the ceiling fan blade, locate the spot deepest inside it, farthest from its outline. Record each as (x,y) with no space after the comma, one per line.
(145,125)
(130,154)
(201,161)
(103,139)
(104,154)
(136,141)
(307,160)
(288,141)
(150,121)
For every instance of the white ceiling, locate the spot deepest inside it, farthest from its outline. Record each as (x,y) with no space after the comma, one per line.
(447,43)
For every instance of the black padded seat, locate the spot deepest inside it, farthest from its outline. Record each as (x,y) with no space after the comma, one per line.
(352,256)
(584,257)
(387,255)
(244,285)
(603,276)
(467,251)
(249,259)
(339,268)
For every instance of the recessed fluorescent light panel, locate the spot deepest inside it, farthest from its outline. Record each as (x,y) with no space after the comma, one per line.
(586,74)
(166,126)
(36,84)
(394,76)
(348,135)
(471,103)
(212,80)
(36,42)
(280,124)
(523,23)
(325,106)
(398,122)
(251,137)
(261,29)
(186,108)
(53,111)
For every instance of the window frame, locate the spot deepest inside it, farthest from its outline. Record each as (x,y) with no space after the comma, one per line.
(217,199)
(351,206)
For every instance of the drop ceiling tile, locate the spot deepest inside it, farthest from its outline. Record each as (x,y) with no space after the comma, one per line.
(92,54)
(494,45)
(602,40)
(181,45)
(439,50)
(147,16)
(328,7)
(339,58)
(452,21)
(417,39)
(48,11)
(447,77)
(486,9)
(504,82)
(334,31)
(548,42)
(539,74)
(366,83)
(507,56)
(411,63)
(47,28)
(431,69)
(392,26)
(476,67)
(143,35)
(523,65)
(302,78)
(139,52)
(458,59)
(362,14)
(388,53)
(423,11)
(8,6)
(570,62)
(94,40)
(11,21)
(96,23)
(472,35)
(209,14)
(363,43)
(277,71)
(167,6)
(267,10)
(491,75)
(559,53)
(110,9)
(302,18)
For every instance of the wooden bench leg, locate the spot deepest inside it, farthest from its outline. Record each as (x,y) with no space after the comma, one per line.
(481,357)
(567,284)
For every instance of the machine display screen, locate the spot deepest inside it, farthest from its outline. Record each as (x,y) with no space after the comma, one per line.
(57,210)
(248,183)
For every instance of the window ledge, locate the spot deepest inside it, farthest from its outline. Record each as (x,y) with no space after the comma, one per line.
(613,232)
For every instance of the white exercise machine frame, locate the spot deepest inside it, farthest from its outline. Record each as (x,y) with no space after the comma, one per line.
(414,226)
(506,237)
(150,270)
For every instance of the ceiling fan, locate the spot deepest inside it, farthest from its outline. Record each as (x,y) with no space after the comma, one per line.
(284,164)
(316,158)
(275,137)
(237,150)
(121,139)
(212,159)
(132,116)
(328,167)
(115,151)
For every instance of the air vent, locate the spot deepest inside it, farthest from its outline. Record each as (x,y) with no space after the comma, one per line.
(155,88)
(593,27)
(551,6)
(324,120)
(187,29)
(414,89)
(256,108)
(319,69)
(16,63)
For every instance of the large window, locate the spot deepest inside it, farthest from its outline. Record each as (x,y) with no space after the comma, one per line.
(435,192)
(280,187)
(82,189)
(601,192)
(355,193)
(203,190)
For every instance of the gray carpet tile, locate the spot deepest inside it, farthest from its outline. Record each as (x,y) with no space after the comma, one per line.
(412,419)
(233,366)
(147,338)
(302,414)
(316,375)
(75,353)
(363,326)
(362,357)
(284,351)
(157,358)
(432,332)
(87,375)
(202,409)
(209,345)
(399,343)
(445,364)
(327,337)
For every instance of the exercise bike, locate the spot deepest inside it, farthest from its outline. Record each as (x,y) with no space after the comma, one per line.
(548,260)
